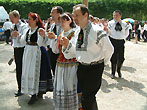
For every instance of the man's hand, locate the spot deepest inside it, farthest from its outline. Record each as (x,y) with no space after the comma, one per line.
(14,34)
(64,41)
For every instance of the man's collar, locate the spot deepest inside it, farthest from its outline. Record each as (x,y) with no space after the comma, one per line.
(87,26)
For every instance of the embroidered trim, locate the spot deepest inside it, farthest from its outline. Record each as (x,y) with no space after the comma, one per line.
(99,37)
(85,40)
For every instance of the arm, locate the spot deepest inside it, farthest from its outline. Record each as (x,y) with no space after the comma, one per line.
(69,51)
(21,37)
(103,42)
(43,38)
(126,30)
(107,49)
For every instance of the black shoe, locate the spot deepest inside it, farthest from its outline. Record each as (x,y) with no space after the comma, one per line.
(32,100)
(112,76)
(40,95)
(18,94)
(119,74)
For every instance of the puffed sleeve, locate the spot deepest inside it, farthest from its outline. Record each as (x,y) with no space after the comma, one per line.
(70,51)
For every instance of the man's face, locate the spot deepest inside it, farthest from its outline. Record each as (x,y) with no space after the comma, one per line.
(78,17)
(13,19)
(116,16)
(54,14)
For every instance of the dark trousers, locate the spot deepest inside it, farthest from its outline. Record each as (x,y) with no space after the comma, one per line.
(144,36)
(129,36)
(18,55)
(89,80)
(117,58)
(118,55)
(53,59)
(7,33)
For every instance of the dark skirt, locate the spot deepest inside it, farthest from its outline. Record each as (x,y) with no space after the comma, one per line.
(45,83)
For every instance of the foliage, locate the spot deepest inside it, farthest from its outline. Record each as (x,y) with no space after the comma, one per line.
(135,9)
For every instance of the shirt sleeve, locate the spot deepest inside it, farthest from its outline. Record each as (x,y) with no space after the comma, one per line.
(21,39)
(43,41)
(126,30)
(107,49)
(54,46)
(70,51)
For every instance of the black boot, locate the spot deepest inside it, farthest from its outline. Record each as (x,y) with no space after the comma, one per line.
(40,95)
(33,99)
(113,67)
(119,65)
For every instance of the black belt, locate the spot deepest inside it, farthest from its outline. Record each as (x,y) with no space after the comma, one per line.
(18,47)
(93,63)
(32,43)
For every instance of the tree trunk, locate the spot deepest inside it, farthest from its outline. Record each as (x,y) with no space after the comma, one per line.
(85,2)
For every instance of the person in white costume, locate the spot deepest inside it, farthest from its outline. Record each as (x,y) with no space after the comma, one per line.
(65,82)
(32,60)
(93,49)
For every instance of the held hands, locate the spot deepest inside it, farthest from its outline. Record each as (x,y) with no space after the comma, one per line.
(64,41)
(106,29)
(14,34)
(42,32)
(51,35)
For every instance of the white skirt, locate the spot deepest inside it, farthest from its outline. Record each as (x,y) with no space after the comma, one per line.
(65,87)
(31,70)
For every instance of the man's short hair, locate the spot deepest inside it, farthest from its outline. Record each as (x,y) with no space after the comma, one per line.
(59,9)
(118,11)
(15,13)
(83,8)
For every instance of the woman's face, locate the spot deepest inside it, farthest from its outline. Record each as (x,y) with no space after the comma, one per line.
(31,22)
(65,24)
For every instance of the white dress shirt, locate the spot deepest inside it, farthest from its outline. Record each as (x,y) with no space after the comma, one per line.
(7,25)
(145,27)
(22,29)
(119,35)
(58,28)
(130,26)
(96,46)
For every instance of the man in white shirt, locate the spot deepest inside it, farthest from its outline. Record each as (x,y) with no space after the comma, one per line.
(18,29)
(7,26)
(118,30)
(145,32)
(130,31)
(93,49)
(56,28)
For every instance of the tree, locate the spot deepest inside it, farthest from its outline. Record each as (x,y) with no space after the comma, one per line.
(85,2)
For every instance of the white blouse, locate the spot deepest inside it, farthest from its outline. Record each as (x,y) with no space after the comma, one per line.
(96,46)
(22,40)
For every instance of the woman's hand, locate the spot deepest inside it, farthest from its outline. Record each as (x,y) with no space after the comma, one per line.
(64,41)
(41,32)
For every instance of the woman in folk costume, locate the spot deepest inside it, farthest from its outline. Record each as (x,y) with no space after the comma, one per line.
(36,71)
(65,81)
